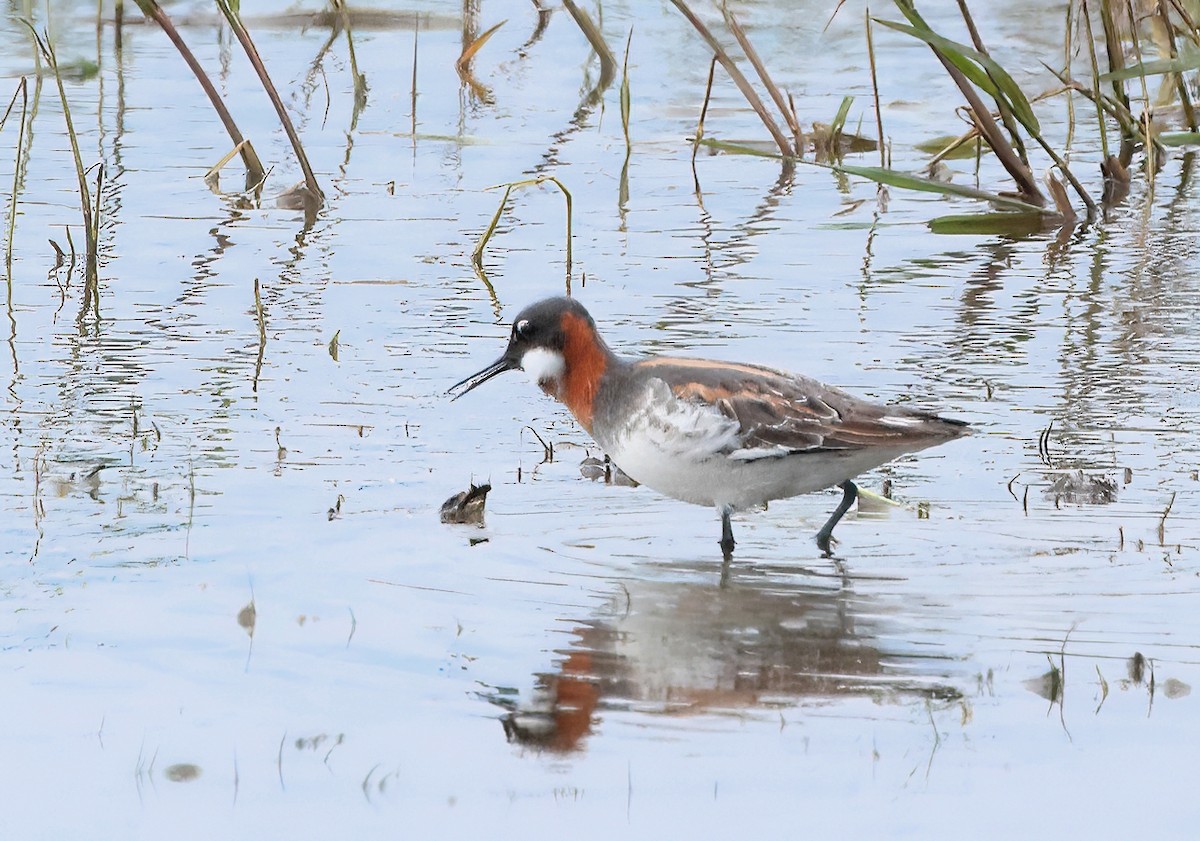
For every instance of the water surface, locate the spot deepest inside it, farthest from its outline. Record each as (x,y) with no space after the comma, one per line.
(986,658)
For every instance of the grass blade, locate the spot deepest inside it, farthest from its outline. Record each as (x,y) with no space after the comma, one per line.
(23,91)
(993,224)
(984,72)
(893,178)
(1157,67)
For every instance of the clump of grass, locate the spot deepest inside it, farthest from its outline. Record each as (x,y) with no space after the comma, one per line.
(999,111)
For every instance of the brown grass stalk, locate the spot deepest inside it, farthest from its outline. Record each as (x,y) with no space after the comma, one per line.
(243,36)
(22,91)
(789,115)
(738,79)
(463,64)
(255,172)
(608,64)
(1003,150)
(875,87)
(1185,97)
(699,137)
(1006,115)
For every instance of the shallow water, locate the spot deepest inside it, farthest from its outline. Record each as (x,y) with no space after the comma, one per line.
(986,658)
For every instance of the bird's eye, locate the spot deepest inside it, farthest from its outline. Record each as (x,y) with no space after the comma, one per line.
(523,329)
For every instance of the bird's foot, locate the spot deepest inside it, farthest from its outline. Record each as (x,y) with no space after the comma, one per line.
(726,544)
(826,542)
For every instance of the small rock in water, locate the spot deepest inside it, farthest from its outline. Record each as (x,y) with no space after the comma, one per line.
(466,507)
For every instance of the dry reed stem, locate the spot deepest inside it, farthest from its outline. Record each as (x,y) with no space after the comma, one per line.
(360,80)
(92,271)
(243,36)
(1026,184)
(1147,133)
(239,149)
(23,91)
(1185,98)
(1188,21)
(626,103)
(1095,64)
(738,78)
(712,69)
(608,64)
(1067,69)
(789,115)
(413,95)
(260,317)
(255,172)
(1116,61)
(1006,115)
(875,87)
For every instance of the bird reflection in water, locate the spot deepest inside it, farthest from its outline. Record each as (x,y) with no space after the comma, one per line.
(679,648)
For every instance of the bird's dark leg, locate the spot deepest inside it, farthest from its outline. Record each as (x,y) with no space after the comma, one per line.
(726,543)
(825,535)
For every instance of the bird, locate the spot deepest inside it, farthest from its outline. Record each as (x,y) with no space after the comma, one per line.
(728,435)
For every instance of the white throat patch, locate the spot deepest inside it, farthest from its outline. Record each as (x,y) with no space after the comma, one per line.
(543,365)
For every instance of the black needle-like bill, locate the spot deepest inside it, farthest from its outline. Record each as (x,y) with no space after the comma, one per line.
(477,379)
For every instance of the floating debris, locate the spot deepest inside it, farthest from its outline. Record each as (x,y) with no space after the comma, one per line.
(247,617)
(466,507)
(1173,688)
(184,772)
(596,469)
(1080,489)
(592,468)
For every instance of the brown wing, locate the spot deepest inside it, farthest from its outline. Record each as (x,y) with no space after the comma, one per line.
(777,411)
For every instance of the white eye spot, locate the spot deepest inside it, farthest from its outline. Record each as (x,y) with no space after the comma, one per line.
(543,364)
(522,328)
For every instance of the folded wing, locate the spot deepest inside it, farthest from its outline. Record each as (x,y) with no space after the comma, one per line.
(769,413)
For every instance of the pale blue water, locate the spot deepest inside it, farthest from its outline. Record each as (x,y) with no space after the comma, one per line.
(891,695)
